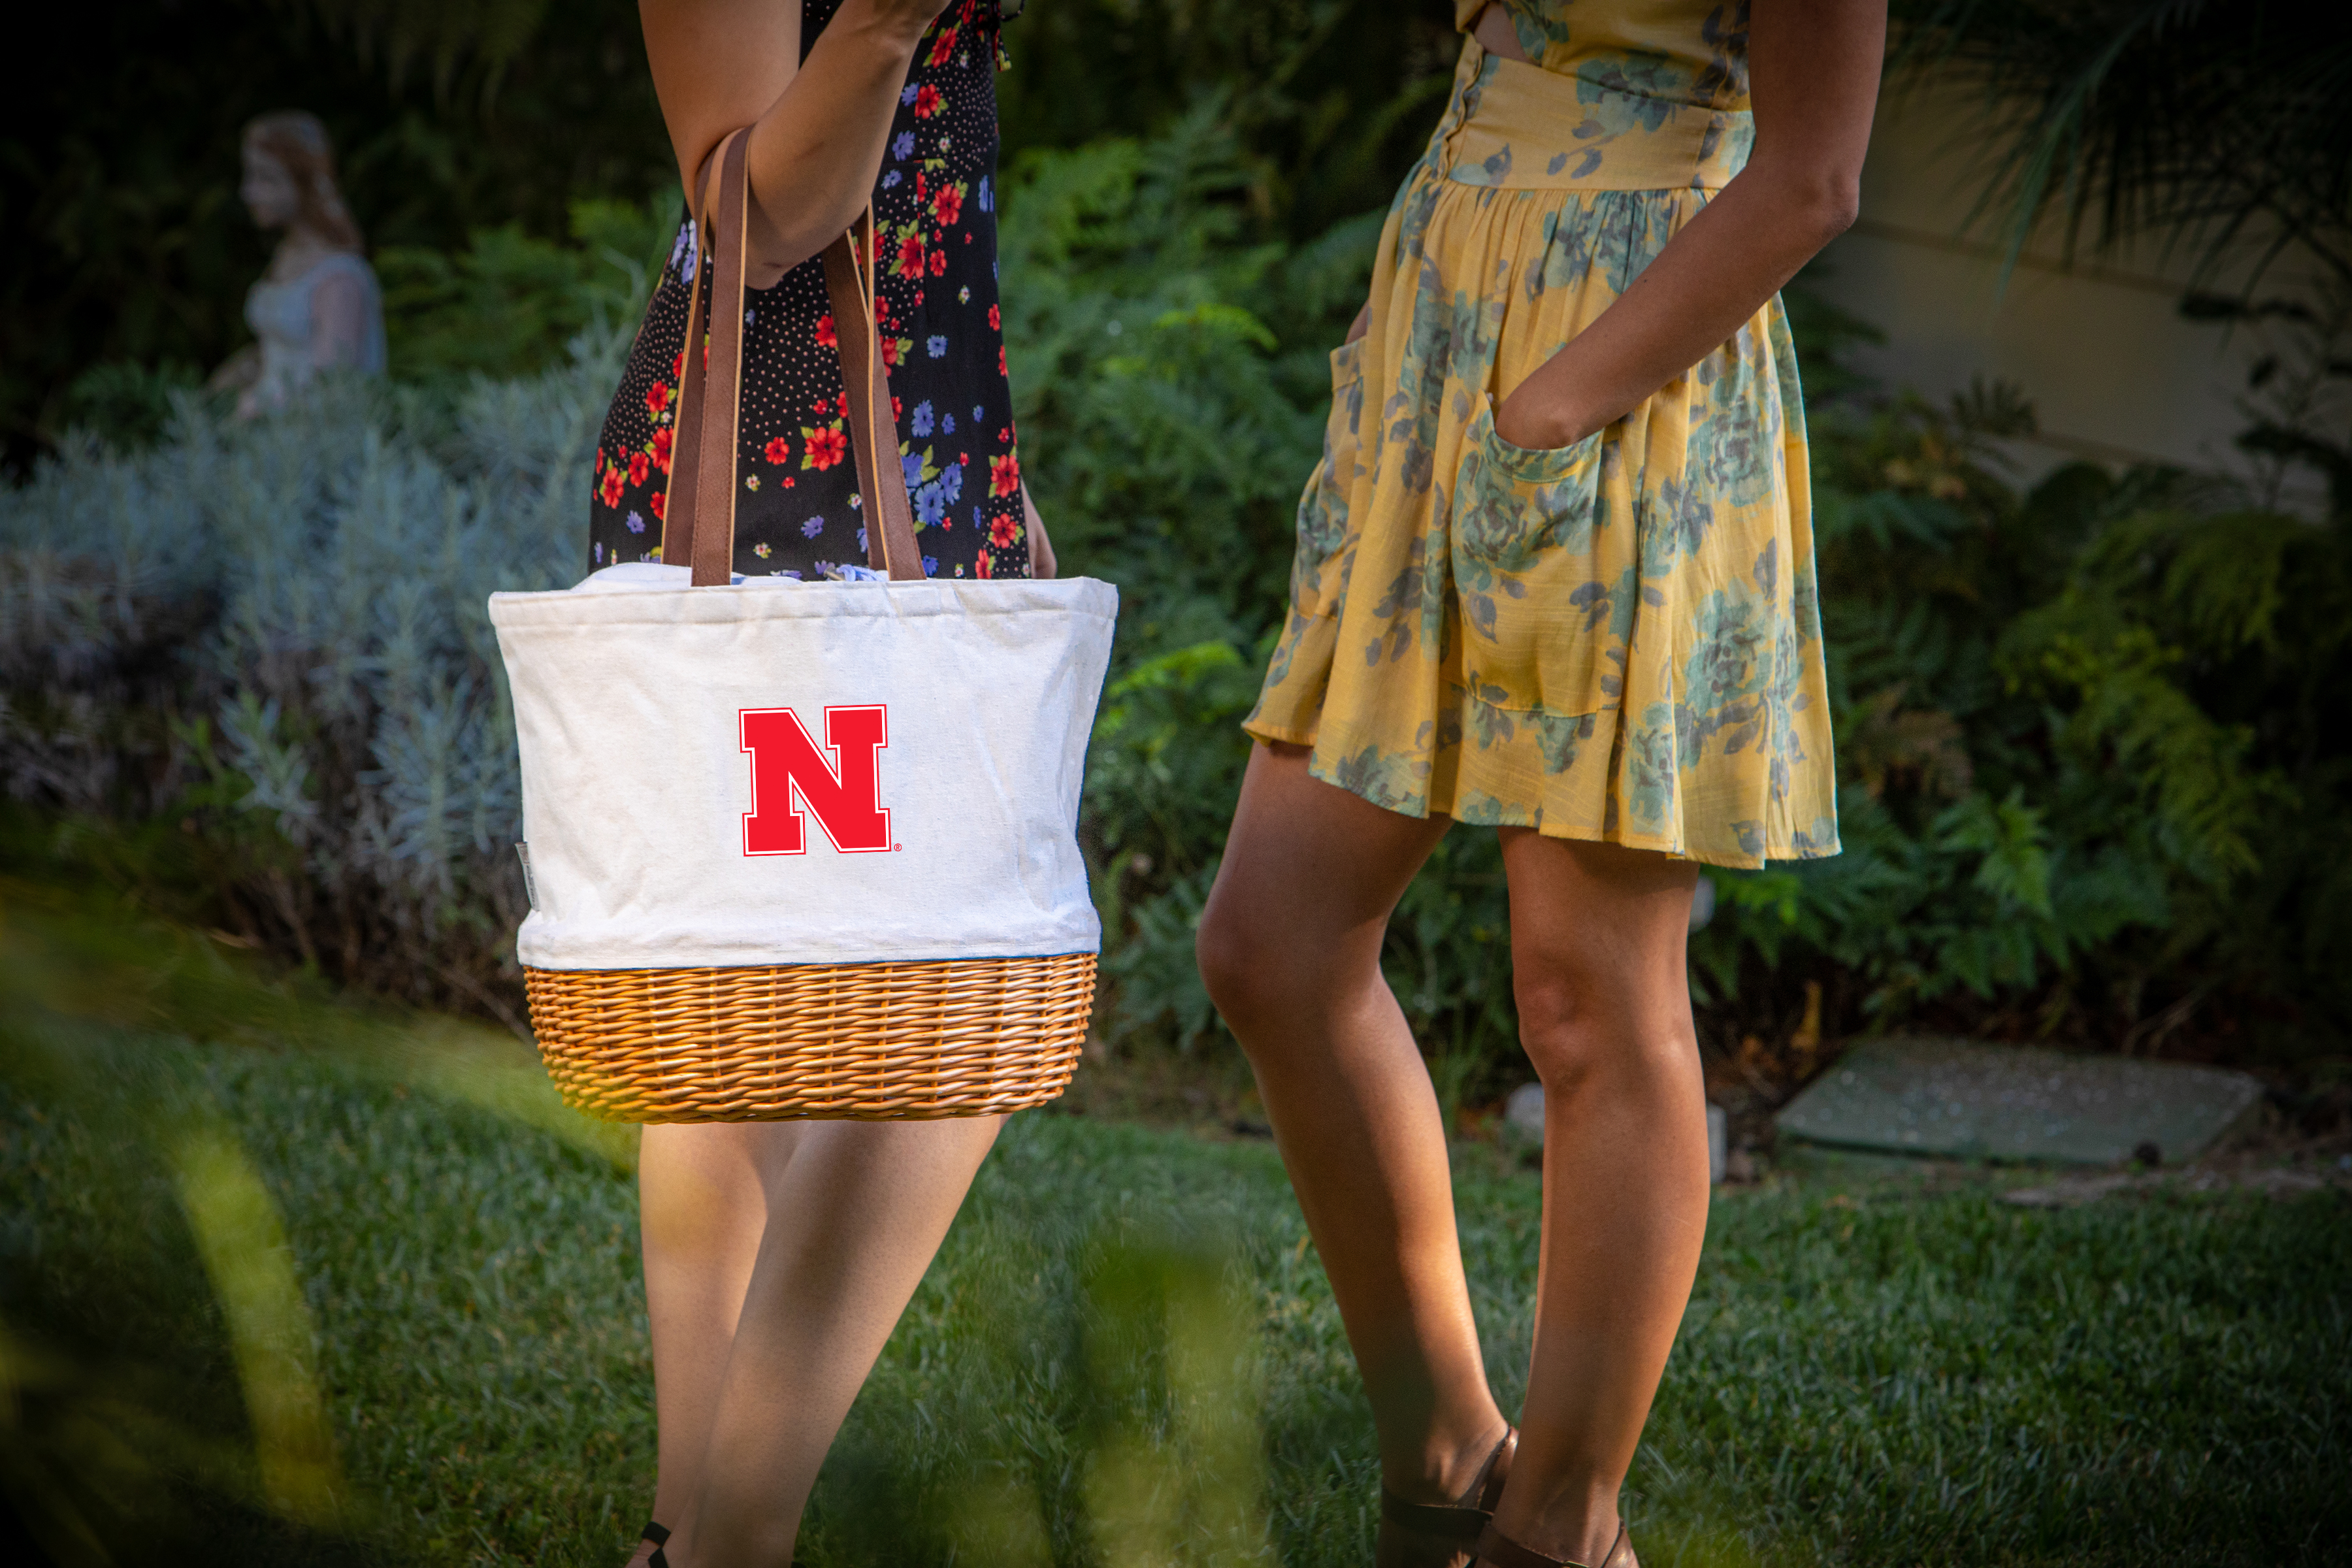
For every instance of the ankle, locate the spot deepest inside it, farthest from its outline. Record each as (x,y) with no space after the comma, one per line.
(1447,1461)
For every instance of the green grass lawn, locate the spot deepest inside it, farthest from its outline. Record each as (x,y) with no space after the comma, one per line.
(1125,1356)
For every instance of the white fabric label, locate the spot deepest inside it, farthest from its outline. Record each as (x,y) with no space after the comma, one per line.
(818,772)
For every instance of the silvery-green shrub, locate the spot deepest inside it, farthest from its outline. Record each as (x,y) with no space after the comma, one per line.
(278,630)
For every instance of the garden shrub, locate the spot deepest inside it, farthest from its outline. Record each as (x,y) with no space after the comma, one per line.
(271,641)
(507,304)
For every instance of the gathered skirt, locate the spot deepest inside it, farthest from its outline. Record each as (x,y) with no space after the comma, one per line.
(1616,640)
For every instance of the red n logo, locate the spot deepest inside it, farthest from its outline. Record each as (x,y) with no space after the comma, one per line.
(788,772)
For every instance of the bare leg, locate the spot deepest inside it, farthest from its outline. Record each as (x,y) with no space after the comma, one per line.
(702,1197)
(1289,945)
(1597,938)
(854,1218)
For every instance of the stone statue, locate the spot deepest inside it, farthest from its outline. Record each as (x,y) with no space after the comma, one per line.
(317,307)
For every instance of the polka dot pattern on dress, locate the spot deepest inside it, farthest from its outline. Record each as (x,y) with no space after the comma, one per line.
(798,512)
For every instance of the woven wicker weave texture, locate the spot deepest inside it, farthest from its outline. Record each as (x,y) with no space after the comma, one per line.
(857,1042)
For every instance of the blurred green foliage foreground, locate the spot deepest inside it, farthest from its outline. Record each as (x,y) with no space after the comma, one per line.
(285,1280)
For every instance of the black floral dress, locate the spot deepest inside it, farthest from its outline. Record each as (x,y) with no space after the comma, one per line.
(800,514)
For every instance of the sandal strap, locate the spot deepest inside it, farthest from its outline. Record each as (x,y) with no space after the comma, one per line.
(1487,1486)
(1460,1520)
(1496,1550)
(655,1532)
(1441,1519)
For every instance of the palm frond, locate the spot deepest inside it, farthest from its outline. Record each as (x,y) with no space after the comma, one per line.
(450,35)
(2214,126)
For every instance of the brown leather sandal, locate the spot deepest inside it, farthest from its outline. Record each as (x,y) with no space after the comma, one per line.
(1496,1550)
(1442,1535)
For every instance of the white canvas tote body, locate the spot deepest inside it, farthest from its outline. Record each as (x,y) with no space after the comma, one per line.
(739,775)
(822,773)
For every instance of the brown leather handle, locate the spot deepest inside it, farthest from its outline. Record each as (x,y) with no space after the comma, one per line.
(881,479)
(699,515)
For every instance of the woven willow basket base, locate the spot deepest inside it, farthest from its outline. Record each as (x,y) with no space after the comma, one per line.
(857,1042)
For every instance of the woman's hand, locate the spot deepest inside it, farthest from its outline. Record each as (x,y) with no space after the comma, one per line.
(817,134)
(1813,78)
(1538,417)
(240,370)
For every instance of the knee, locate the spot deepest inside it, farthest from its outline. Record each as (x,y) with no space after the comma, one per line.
(1576,1030)
(1559,1031)
(1236,968)
(1264,980)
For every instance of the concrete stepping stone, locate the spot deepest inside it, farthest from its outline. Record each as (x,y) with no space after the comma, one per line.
(1965,1100)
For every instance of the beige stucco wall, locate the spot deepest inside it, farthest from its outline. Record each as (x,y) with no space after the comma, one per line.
(2115,372)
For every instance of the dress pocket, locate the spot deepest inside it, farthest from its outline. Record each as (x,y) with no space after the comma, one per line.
(1323,526)
(1546,578)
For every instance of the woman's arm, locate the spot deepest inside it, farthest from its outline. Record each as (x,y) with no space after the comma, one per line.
(339,325)
(817,134)
(1813,78)
(1042,560)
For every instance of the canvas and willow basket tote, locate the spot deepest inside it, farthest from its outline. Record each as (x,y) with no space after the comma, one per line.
(802,849)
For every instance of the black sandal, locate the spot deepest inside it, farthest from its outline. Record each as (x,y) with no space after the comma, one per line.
(1440,1535)
(660,1538)
(1496,1550)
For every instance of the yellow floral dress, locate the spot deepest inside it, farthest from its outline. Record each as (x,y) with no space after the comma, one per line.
(1615,641)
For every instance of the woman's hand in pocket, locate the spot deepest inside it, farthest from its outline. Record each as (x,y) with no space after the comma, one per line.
(1538,417)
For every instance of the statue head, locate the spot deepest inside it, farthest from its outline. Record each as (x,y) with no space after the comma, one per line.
(289,178)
